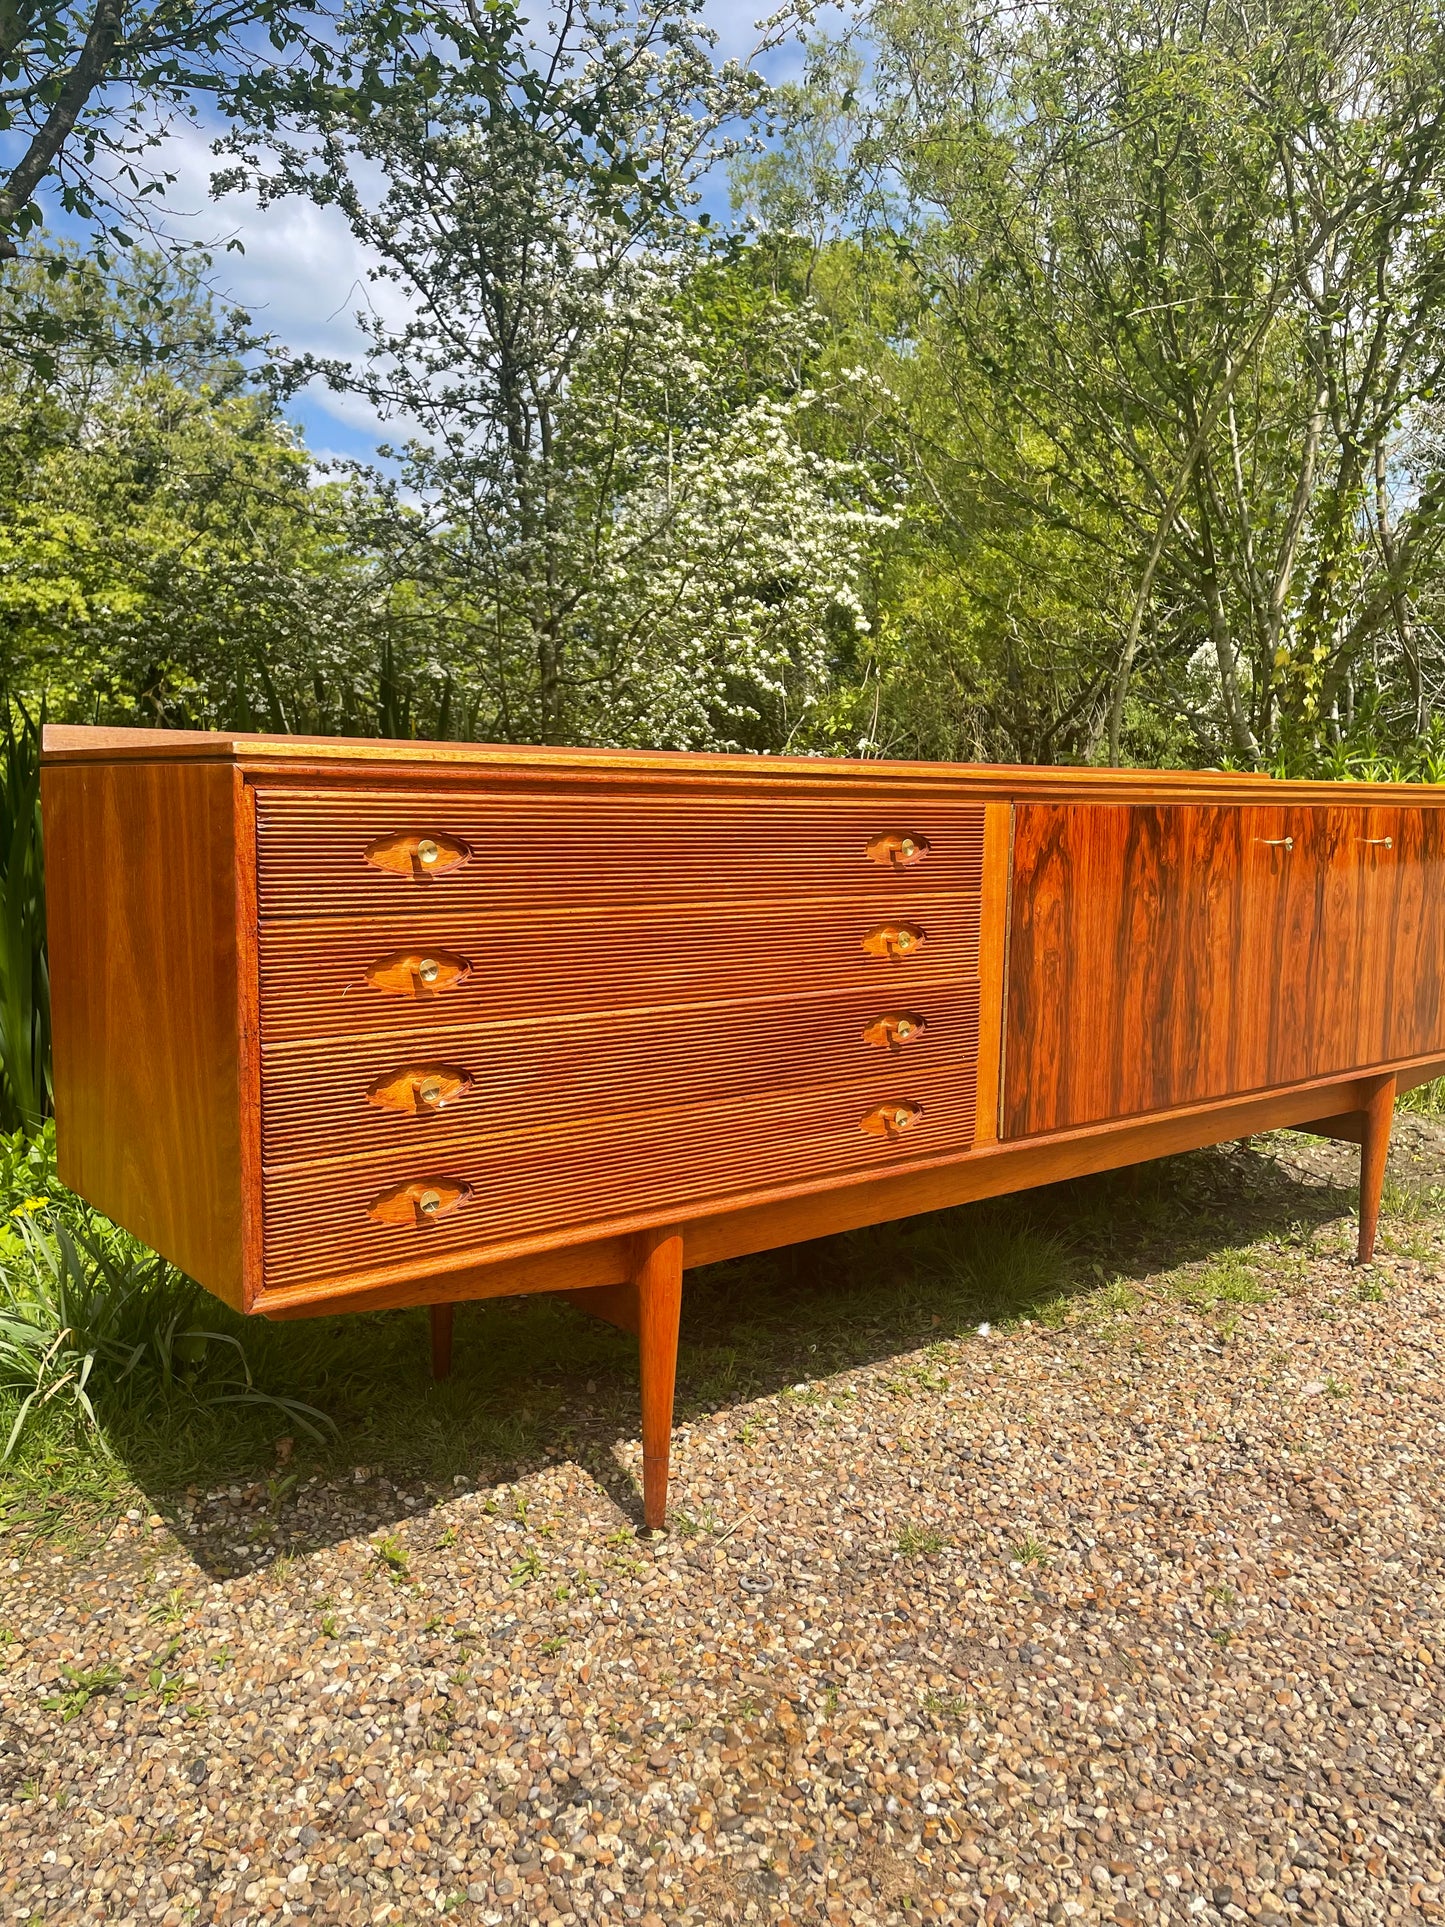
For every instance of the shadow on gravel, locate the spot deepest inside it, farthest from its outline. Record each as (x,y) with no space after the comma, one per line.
(537,1382)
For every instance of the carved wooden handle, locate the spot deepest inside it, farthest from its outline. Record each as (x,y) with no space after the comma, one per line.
(892,1120)
(418,973)
(894,1029)
(898,852)
(894,940)
(421,1090)
(421,1202)
(417,855)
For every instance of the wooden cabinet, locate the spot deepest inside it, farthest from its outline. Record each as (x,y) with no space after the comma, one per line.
(384,1024)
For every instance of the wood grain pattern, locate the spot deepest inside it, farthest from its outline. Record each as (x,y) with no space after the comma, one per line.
(545,1179)
(149,1009)
(591,962)
(532,851)
(992,965)
(566,1070)
(658,1282)
(1162,955)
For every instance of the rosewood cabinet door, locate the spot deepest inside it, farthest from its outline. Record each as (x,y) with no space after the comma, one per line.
(1132,939)
(1407,932)
(1165,955)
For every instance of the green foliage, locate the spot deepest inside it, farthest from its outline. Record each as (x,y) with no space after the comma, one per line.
(1157,291)
(167,554)
(87,88)
(24,978)
(91,1322)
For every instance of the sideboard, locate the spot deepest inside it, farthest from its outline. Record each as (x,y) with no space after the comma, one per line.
(363,1024)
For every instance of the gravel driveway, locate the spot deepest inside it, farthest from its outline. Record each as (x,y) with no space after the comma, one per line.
(1135,1616)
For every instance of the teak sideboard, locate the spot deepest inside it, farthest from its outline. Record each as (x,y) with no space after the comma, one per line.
(363,1024)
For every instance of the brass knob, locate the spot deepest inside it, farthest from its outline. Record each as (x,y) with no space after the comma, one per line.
(430,1091)
(892,1120)
(428,970)
(430,1202)
(894,1028)
(409,854)
(894,940)
(895,852)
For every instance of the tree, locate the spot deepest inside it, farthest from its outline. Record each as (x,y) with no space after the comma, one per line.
(1167,383)
(629,541)
(167,554)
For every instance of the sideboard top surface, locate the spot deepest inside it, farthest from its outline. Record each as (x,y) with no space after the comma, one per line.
(329,758)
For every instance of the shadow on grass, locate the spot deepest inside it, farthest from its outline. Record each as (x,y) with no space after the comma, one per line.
(536,1382)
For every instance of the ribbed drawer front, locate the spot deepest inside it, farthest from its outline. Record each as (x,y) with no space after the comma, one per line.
(533,1182)
(317,1102)
(314,983)
(343,853)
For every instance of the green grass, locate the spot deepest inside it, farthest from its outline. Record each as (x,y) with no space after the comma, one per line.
(1426,1100)
(1229,1279)
(916,1542)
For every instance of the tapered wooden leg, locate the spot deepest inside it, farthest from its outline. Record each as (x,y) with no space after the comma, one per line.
(441,1340)
(1374,1149)
(658,1281)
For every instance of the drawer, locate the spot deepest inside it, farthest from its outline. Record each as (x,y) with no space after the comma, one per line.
(527,1184)
(370,852)
(447,1085)
(328,979)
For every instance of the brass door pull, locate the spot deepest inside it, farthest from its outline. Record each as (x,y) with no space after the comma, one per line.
(418,973)
(894,941)
(894,1029)
(1385,842)
(421,1202)
(417,855)
(895,851)
(1277,842)
(892,1120)
(420,1092)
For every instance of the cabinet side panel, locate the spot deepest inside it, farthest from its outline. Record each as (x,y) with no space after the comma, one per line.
(141,880)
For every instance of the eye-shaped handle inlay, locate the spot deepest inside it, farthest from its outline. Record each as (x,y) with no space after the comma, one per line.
(892,1120)
(895,1029)
(895,851)
(894,941)
(421,1202)
(415,854)
(420,1091)
(418,973)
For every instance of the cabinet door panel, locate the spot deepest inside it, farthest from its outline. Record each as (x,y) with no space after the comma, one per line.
(1412,942)
(1166,955)
(1130,986)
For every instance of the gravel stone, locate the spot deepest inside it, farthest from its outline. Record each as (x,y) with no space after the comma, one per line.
(1103,1622)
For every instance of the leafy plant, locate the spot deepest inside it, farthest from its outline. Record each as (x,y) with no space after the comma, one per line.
(86,1318)
(81,1687)
(24,977)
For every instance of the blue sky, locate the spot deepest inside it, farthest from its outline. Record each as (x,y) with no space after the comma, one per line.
(302,277)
